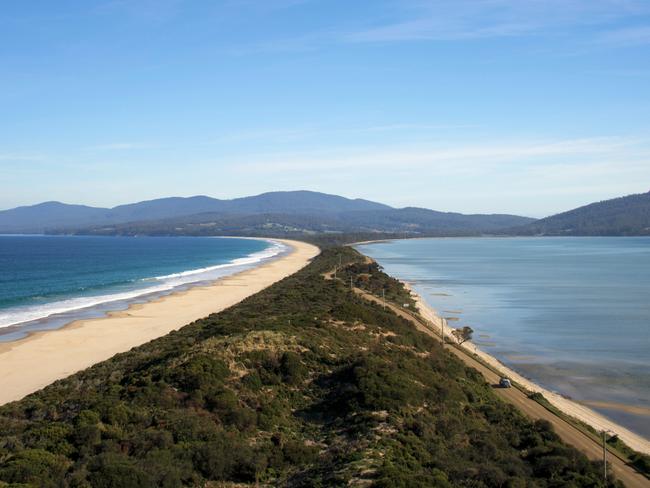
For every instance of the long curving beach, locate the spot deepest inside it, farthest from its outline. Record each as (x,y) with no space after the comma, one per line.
(30,364)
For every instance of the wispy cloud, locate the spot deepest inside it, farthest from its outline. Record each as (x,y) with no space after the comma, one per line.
(467,20)
(631,36)
(21,157)
(414,127)
(293,134)
(156,11)
(268,135)
(266,5)
(449,20)
(468,159)
(296,44)
(119,146)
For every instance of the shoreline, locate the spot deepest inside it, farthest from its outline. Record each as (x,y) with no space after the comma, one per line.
(117,301)
(35,361)
(569,407)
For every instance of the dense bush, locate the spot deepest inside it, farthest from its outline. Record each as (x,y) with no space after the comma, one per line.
(304,384)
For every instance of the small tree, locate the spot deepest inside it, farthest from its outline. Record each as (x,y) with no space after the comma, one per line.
(463,335)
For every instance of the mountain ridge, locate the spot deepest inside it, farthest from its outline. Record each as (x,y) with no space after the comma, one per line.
(303,213)
(311,211)
(623,216)
(52,215)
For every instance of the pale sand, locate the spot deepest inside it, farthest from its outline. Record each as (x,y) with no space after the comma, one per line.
(569,407)
(32,363)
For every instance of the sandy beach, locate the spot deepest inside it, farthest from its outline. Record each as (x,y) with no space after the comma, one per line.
(30,364)
(569,407)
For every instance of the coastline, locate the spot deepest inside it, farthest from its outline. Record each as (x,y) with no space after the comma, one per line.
(33,362)
(565,405)
(56,314)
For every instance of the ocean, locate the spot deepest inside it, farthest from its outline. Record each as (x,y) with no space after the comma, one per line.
(570,313)
(49,281)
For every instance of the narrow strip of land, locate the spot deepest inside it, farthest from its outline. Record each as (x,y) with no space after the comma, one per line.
(569,433)
(32,363)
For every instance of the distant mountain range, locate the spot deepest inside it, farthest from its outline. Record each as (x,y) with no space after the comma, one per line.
(52,216)
(625,216)
(296,213)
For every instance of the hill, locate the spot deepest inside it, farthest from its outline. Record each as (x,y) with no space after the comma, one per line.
(625,216)
(289,202)
(48,215)
(51,216)
(302,385)
(398,222)
(292,214)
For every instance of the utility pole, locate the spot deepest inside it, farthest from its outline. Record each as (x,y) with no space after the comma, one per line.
(350,282)
(605,457)
(383,297)
(442,331)
(336,268)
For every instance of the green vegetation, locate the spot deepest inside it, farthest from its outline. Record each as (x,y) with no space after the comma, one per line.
(625,216)
(368,276)
(304,384)
(640,461)
(463,334)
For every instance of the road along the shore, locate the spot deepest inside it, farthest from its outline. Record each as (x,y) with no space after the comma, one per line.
(569,433)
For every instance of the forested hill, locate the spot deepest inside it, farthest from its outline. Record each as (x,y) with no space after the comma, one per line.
(625,216)
(286,213)
(406,222)
(302,385)
(51,216)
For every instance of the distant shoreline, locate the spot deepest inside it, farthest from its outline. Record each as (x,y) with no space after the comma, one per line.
(31,363)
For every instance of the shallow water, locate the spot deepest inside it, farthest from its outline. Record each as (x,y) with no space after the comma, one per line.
(571,313)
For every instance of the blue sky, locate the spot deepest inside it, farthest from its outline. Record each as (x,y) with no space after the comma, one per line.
(522,106)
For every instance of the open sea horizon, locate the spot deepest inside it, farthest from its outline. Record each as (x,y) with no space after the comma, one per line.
(47,282)
(570,313)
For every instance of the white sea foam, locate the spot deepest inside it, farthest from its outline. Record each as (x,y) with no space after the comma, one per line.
(254,258)
(158,284)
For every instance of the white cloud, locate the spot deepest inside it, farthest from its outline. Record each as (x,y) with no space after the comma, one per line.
(449,20)
(156,11)
(466,158)
(119,146)
(463,20)
(631,36)
(21,157)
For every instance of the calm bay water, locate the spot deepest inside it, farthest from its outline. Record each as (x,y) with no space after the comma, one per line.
(47,281)
(572,314)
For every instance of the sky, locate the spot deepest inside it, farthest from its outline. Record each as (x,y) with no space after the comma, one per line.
(478,106)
